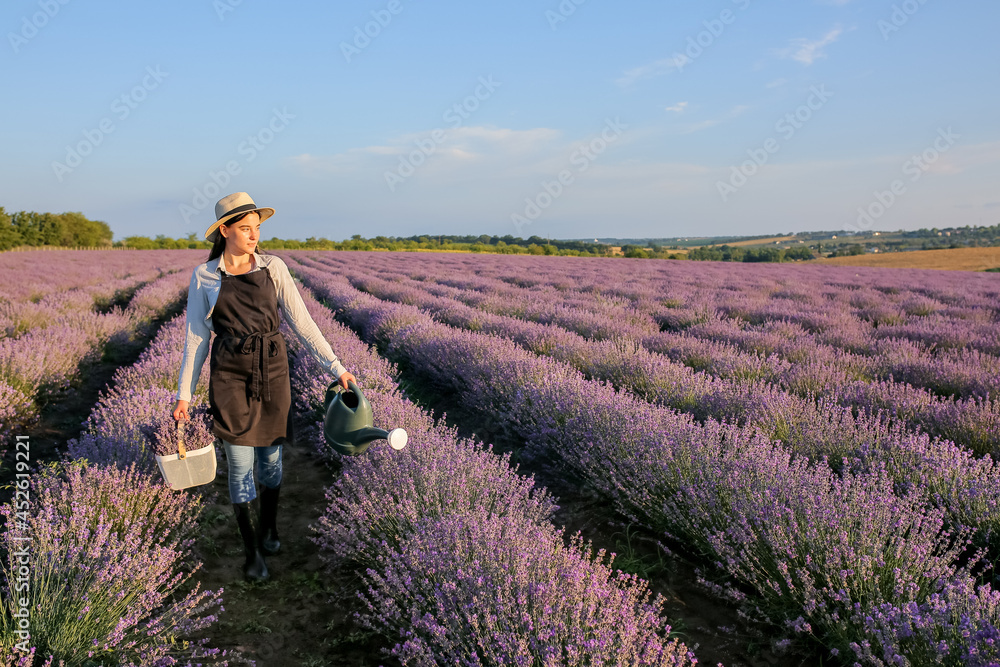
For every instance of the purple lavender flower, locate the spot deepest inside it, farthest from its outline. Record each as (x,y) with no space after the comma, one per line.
(108,562)
(477,589)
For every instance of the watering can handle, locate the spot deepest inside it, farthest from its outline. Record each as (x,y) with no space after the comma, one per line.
(181,450)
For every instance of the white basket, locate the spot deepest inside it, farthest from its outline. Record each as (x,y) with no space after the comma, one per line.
(184,470)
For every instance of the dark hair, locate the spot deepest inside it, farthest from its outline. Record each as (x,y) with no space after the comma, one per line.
(220,242)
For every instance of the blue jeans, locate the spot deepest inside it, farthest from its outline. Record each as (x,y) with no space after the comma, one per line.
(241,464)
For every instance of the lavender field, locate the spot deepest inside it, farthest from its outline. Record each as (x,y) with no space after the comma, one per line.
(817,442)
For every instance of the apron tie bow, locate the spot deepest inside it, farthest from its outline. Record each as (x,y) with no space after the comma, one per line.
(257,344)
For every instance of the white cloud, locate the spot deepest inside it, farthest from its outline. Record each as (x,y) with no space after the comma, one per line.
(484,174)
(678,108)
(808,51)
(737,110)
(444,147)
(962,158)
(651,70)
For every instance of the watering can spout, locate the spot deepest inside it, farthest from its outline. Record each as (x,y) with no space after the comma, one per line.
(348,424)
(397,437)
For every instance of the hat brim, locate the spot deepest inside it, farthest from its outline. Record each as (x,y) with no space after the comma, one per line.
(212,233)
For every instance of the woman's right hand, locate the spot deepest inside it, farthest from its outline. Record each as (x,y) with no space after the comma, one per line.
(181,410)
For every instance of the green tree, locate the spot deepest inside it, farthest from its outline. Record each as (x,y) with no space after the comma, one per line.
(51,229)
(10,237)
(26,225)
(78,230)
(635,252)
(138,242)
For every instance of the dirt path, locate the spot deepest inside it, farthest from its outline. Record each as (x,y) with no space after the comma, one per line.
(301,617)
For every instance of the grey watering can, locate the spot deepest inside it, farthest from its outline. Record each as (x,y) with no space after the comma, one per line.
(348,424)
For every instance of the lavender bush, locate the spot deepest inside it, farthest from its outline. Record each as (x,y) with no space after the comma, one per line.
(957,627)
(107,574)
(131,422)
(477,589)
(381,498)
(16,409)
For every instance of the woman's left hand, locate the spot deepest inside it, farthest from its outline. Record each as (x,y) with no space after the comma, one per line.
(345,378)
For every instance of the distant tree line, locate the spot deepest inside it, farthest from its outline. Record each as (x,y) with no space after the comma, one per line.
(512,245)
(727,253)
(26,228)
(990,233)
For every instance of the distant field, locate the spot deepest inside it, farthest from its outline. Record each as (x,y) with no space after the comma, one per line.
(773,239)
(951,259)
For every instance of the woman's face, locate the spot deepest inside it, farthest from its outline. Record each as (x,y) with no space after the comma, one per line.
(242,235)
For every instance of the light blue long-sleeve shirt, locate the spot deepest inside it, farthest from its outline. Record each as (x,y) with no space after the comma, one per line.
(203,293)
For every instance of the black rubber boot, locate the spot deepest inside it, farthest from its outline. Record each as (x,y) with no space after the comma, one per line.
(254,568)
(269,542)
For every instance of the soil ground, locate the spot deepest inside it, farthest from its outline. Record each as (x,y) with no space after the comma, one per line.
(302,616)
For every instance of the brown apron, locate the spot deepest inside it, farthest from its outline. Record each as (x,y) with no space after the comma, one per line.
(248,390)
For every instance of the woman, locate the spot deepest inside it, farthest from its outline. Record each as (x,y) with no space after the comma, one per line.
(236,294)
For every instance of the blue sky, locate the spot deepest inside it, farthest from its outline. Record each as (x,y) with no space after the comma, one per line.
(571,119)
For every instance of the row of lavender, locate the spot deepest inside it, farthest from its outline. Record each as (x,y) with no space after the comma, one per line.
(950,355)
(848,307)
(38,287)
(460,561)
(973,422)
(949,475)
(846,558)
(104,546)
(55,315)
(837,304)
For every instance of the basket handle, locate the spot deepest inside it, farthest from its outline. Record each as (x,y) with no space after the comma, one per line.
(181,450)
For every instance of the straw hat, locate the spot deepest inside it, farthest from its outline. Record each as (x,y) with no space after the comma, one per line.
(231,206)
